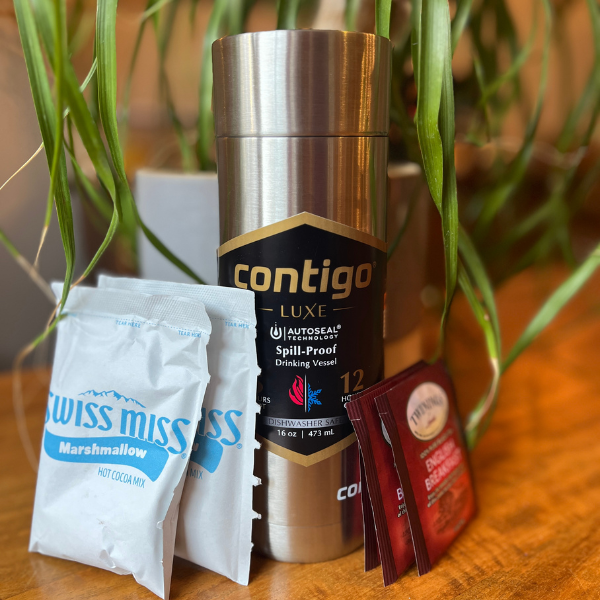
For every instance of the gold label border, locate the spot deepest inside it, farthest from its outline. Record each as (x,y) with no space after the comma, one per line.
(311,459)
(304,218)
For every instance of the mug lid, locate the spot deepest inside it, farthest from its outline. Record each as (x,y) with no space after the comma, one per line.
(301,83)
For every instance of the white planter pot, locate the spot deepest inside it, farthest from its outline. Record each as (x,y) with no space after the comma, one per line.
(182,210)
(406,267)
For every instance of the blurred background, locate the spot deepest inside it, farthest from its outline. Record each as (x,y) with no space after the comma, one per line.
(488,134)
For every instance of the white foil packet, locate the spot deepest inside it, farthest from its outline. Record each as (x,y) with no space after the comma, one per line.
(129,376)
(215,519)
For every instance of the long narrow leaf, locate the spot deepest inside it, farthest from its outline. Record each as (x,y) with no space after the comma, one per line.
(477,271)
(287,13)
(499,195)
(236,16)
(351,14)
(450,195)
(88,131)
(46,114)
(434,44)
(163,37)
(586,99)
(107,99)
(554,305)
(480,417)
(415,37)
(78,109)
(512,71)
(106,55)
(463,9)
(124,124)
(205,117)
(398,111)
(58,60)
(29,269)
(487,318)
(383,12)
(414,198)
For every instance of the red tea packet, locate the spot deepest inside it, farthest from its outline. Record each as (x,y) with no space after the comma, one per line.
(383,505)
(372,559)
(426,436)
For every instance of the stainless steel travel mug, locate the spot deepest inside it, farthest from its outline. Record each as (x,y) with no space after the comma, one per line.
(301,119)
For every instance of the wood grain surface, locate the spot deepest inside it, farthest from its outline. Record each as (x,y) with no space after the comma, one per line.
(537,475)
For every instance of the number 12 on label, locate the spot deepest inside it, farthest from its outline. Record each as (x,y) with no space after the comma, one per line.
(359,374)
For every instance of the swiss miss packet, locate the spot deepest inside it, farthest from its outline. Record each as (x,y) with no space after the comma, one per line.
(215,517)
(385,500)
(427,439)
(129,376)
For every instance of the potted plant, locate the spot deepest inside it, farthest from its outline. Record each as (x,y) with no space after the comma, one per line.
(493,222)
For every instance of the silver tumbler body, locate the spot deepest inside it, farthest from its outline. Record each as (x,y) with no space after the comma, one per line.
(301,121)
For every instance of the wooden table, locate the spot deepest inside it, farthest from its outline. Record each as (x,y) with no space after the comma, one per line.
(537,473)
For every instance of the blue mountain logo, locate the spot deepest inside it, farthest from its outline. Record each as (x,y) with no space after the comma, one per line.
(112,393)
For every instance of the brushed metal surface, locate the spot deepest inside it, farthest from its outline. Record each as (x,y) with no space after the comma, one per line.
(302,518)
(301,83)
(302,120)
(263,180)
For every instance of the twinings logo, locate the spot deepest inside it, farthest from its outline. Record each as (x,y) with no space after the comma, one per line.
(310,280)
(427,411)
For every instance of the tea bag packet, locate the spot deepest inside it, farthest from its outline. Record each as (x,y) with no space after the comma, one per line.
(372,558)
(386,501)
(215,519)
(426,436)
(129,377)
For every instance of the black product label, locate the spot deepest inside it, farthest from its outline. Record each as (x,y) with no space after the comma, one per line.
(319,292)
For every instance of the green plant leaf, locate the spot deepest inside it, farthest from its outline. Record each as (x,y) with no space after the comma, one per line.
(414,198)
(29,269)
(435,128)
(449,192)
(287,13)
(106,55)
(59,53)
(463,9)
(480,417)
(154,8)
(398,112)
(383,13)
(77,106)
(432,54)
(124,121)
(107,100)
(554,305)
(235,18)
(163,37)
(206,128)
(46,115)
(351,14)
(513,70)
(590,93)
(415,37)
(471,268)
(499,195)
(476,269)
(79,112)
